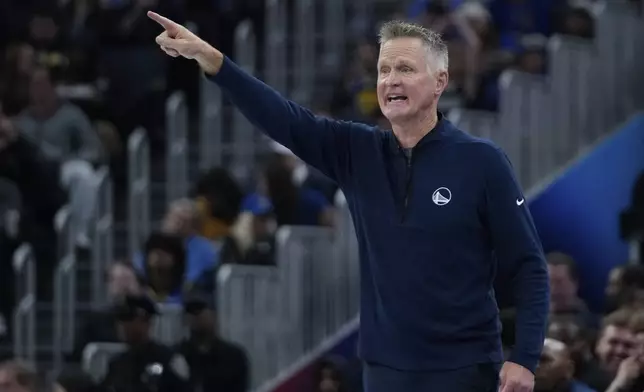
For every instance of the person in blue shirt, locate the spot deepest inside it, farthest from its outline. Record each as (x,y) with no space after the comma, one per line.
(201,254)
(292,204)
(437,213)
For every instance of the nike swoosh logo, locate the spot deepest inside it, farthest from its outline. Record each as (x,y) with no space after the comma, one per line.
(519,202)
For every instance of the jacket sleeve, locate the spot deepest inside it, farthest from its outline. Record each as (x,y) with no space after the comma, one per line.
(520,256)
(323,143)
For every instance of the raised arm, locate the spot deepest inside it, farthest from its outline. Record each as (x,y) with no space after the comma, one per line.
(321,142)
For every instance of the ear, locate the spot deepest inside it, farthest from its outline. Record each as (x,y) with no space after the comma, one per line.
(442,79)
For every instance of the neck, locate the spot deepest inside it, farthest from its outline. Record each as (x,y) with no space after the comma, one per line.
(410,132)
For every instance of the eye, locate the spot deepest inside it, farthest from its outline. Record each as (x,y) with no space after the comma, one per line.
(384,70)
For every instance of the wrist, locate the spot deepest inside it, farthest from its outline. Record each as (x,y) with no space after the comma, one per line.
(210,59)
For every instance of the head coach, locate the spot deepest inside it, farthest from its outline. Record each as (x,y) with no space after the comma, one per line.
(437,212)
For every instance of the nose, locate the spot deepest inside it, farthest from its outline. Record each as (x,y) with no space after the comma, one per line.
(392,79)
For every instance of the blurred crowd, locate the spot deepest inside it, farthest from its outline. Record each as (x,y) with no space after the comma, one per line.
(77,76)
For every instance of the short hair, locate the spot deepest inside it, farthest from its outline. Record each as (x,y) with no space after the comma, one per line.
(620,318)
(433,42)
(24,373)
(561,259)
(637,322)
(632,276)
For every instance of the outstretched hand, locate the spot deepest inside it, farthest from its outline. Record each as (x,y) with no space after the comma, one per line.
(176,40)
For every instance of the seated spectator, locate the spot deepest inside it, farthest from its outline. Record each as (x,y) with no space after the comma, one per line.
(215,364)
(572,332)
(531,55)
(577,22)
(219,198)
(100,325)
(293,205)
(615,343)
(18,68)
(164,267)
(564,287)
(330,377)
(355,96)
(65,135)
(309,177)
(23,164)
(556,369)
(261,250)
(202,255)
(623,284)
(18,376)
(145,365)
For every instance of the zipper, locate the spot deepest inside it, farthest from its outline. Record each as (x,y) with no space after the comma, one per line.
(407,184)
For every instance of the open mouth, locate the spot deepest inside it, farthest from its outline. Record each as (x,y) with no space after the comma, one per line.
(397,98)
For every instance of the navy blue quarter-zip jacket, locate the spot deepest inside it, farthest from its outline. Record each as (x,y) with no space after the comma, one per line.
(434,224)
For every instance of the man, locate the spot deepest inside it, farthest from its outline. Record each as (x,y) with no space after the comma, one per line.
(556,370)
(616,341)
(145,365)
(436,212)
(564,286)
(100,325)
(215,365)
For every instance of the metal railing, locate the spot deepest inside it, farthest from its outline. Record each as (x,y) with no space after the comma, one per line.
(138,149)
(24,319)
(312,292)
(103,246)
(177,147)
(64,288)
(276,53)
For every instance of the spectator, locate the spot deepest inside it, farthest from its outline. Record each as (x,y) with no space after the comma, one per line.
(564,287)
(100,325)
(577,22)
(306,176)
(65,135)
(18,67)
(616,341)
(329,377)
(556,369)
(355,95)
(164,262)
(572,332)
(216,365)
(623,283)
(202,256)
(293,205)
(531,55)
(261,250)
(17,376)
(146,365)
(219,198)
(23,164)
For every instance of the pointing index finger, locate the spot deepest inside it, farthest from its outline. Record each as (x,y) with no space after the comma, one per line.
(170,26)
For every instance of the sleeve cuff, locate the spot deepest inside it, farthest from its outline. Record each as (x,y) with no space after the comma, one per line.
(527,361)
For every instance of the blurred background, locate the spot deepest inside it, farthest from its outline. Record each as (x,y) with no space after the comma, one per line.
(147,228)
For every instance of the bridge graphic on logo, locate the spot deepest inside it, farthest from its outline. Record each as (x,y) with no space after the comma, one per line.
(441,196)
